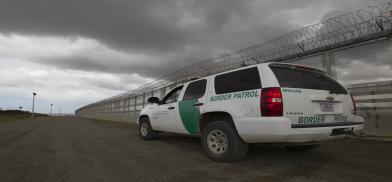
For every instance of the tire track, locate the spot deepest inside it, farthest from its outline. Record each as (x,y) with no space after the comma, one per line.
(14,135)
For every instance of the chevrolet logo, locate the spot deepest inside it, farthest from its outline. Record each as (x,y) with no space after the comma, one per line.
(330,98)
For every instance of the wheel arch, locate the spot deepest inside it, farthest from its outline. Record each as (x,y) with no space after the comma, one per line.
(141,117)
(215,116)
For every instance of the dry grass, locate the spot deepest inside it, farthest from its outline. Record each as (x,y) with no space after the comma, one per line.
(14,115)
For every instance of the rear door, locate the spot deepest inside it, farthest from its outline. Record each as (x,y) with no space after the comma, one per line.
(311,98)
(190,107)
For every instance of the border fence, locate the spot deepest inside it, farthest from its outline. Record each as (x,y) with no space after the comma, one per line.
(365,26)
(374,103)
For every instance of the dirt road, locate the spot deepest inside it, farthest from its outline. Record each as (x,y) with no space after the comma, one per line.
(74,149)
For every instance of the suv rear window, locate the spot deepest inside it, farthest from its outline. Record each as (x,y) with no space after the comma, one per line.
(308,78)
(195,90)
(246,79)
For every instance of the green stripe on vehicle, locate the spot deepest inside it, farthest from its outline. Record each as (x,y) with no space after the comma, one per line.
(189,115)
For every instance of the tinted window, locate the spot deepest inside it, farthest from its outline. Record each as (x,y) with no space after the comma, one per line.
(195,90)
(172,96)
(307,78)
(247,79)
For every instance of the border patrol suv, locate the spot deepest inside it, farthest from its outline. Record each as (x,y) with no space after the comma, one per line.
(265,103)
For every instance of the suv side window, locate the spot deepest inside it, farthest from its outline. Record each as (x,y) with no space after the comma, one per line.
(172,96)
(246,79)
(195,90)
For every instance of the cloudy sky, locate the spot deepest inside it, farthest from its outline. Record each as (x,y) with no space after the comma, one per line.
(75,52)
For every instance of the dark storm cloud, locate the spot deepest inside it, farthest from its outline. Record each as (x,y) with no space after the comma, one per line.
(145,27)
(170,33)
(138,25)
(106,66)
(118,23)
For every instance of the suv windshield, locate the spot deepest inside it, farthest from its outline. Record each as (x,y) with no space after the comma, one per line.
(292,76)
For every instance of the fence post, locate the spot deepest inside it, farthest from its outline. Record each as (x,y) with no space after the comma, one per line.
(135,102)
(329,64)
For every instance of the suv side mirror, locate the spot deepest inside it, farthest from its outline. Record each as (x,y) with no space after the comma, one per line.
(153,100)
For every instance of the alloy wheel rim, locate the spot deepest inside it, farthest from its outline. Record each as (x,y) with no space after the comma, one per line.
(144,129)
(217,142)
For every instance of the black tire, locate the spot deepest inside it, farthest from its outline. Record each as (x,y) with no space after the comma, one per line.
(146,133)
(302,147)
(236,149)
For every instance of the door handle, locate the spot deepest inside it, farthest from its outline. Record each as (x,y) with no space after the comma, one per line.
(171,107)
(198,104)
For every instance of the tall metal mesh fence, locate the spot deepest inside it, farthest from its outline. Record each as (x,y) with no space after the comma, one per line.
(367,25)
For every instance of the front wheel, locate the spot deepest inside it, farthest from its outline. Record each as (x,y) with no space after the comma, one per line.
(145,130)
(222,143)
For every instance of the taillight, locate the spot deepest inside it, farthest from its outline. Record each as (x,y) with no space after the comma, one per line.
(271,103)
(355,107)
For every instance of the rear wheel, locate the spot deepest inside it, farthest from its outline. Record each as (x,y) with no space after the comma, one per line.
(221,142)
(145,130)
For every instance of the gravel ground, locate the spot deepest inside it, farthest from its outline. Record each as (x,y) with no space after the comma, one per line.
(74,149)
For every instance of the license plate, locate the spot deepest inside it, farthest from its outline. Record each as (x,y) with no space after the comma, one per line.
(326,107)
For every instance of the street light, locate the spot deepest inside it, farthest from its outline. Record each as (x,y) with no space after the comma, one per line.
(51,107)
(32,110)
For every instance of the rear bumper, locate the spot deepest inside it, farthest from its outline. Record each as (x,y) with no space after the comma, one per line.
(279,129)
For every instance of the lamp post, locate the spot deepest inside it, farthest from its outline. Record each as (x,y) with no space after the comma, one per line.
(32,110)
(51,107)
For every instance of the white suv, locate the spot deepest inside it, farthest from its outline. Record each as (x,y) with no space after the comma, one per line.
(264,103)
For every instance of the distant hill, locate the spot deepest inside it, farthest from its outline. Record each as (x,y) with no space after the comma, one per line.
(17,114)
